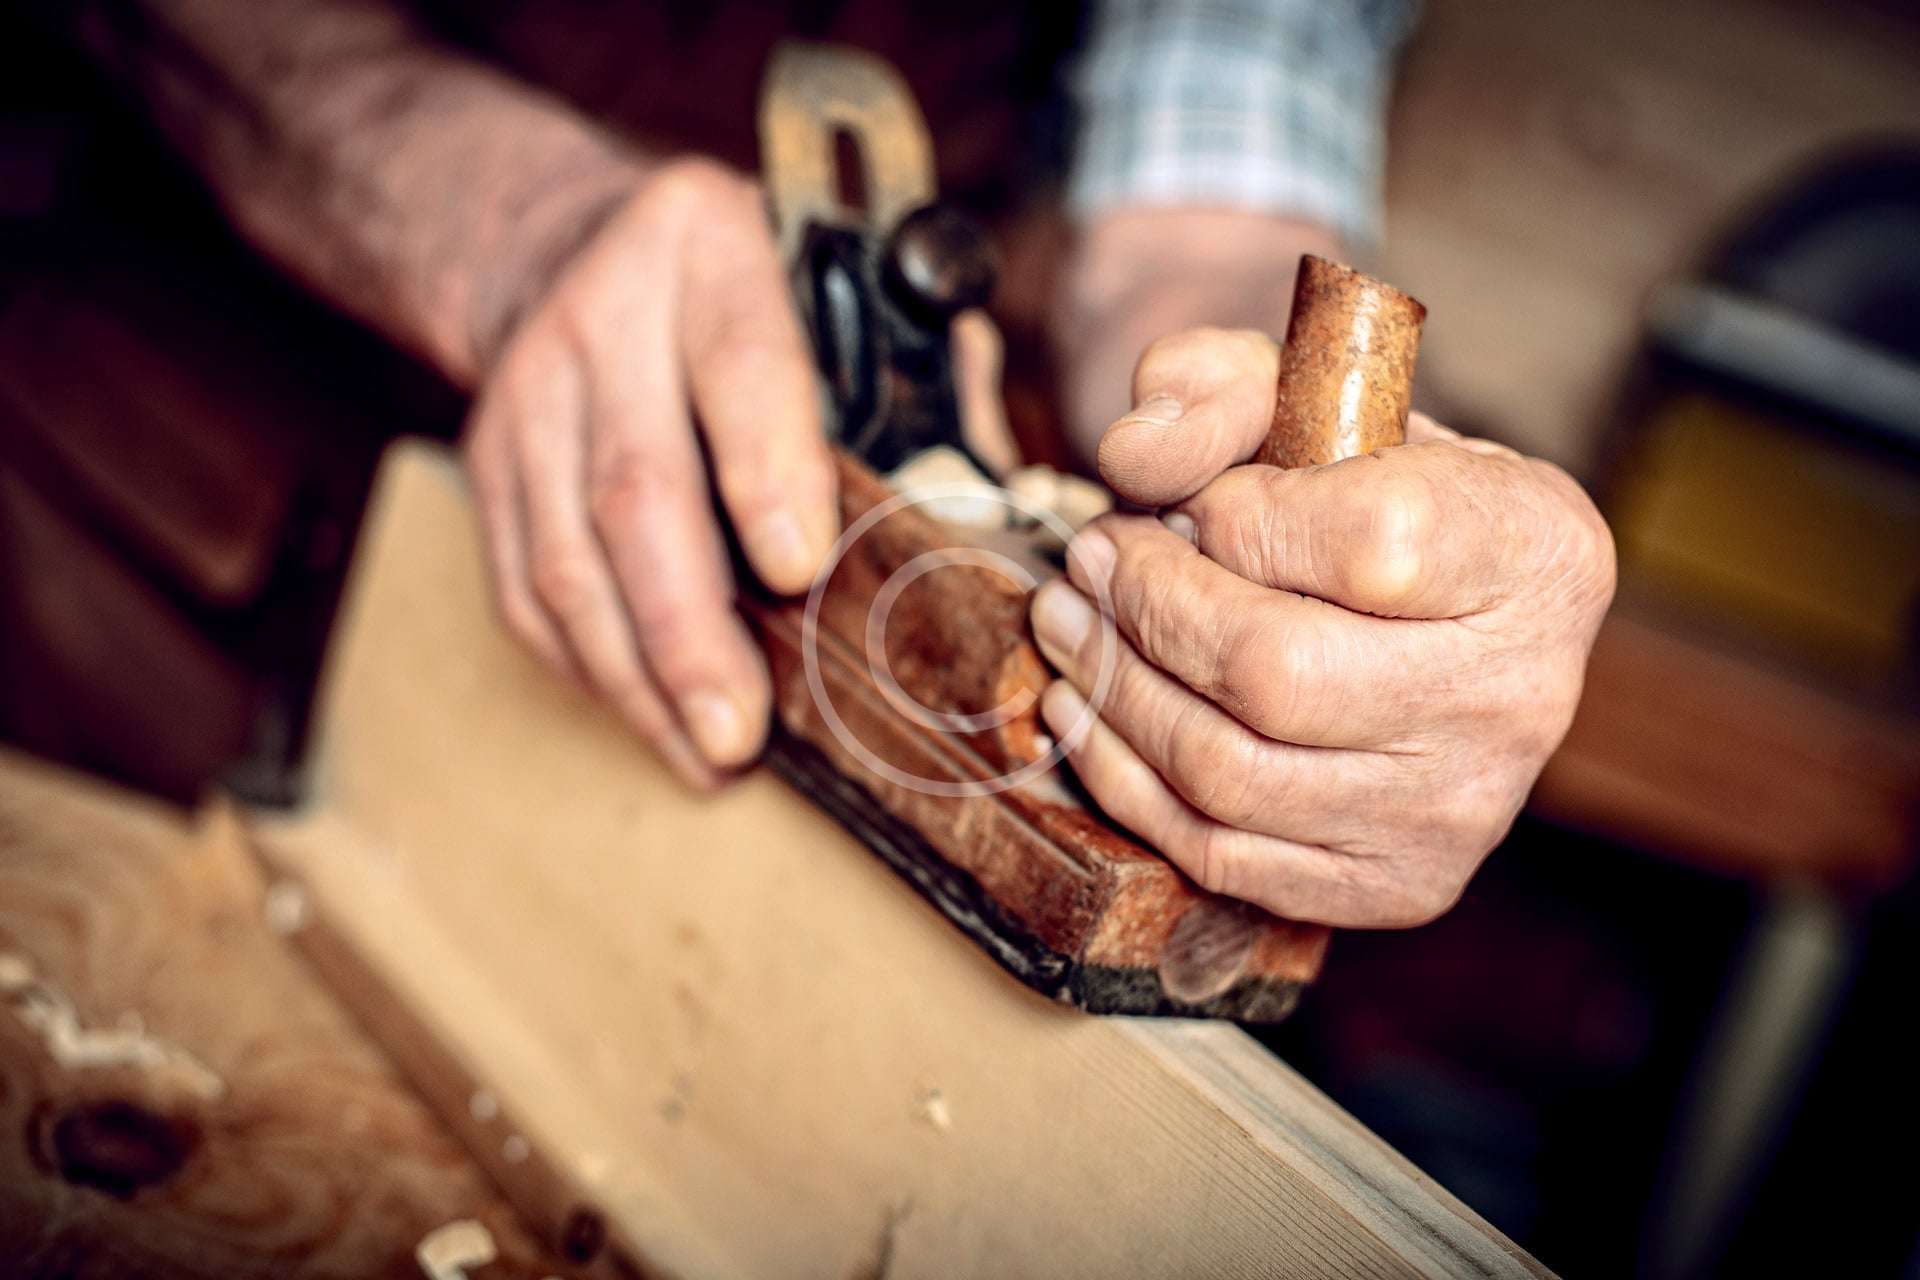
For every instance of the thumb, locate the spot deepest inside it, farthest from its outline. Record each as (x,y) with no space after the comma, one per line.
(1203,400)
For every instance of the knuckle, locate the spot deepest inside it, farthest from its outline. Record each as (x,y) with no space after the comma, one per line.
(1161,356)
(1421,905)
(1438,894)
(1090,652)
(522,618)
(675,678)
(1582,547)
(1536,714)
(1256,518)
(1217,859)
(1243,662)
(1205,355)
(1210,860)
(622,487)
(1423,856)
(736,333)
(1403,892)
(691,645)
(1536,729)
(1240,519)
(678,647)
(564,583)
(1224,774)
(1383,570)
(777,472)
(1262,669)
(1192,758)
(1153,606)
(693,185)
(1499,804)
(1150,591)
(629,693)
(1455,791)
(1593,549)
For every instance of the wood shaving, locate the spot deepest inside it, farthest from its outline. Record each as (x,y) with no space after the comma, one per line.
(47,1011)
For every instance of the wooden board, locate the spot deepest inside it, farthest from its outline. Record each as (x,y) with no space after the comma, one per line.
(179,1098)
(740,1034)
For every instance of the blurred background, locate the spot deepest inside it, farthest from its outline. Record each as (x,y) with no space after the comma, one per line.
(1674,247)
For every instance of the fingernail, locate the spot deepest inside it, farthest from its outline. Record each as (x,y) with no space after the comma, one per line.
(1061,707)
(1061,618)
(1182,523)
(782,553)
(1162,411)
(717,726)
(1093,552)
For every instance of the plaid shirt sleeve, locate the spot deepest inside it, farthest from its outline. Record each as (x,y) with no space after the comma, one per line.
(1274,105)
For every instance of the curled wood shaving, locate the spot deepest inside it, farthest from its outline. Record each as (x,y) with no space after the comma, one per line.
(446,1252)
(46,1010)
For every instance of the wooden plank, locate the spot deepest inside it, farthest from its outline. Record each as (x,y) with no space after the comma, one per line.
(178,1096)
(743,1036)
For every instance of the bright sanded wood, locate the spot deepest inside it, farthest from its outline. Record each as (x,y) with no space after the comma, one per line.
(741,1034)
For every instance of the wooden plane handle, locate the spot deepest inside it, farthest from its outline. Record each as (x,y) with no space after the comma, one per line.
(1346,368)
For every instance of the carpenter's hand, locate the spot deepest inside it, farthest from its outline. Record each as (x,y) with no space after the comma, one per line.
(608,559)
(1334,686)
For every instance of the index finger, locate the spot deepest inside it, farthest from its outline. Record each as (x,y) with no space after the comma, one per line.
(1432,530)
(751,377)
(1292,668)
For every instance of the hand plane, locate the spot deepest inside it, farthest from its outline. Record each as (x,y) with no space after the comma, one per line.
(921,732)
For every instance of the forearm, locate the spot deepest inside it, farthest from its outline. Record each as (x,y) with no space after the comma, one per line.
(1218,141)
(1137,274)
(421,191)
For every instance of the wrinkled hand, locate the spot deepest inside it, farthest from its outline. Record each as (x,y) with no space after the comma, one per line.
(1334,686)
(608,560)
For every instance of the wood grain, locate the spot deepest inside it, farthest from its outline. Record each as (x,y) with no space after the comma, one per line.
(741,1035)
(303,1155)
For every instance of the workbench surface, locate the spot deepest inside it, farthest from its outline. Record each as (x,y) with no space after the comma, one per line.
(207,1109)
